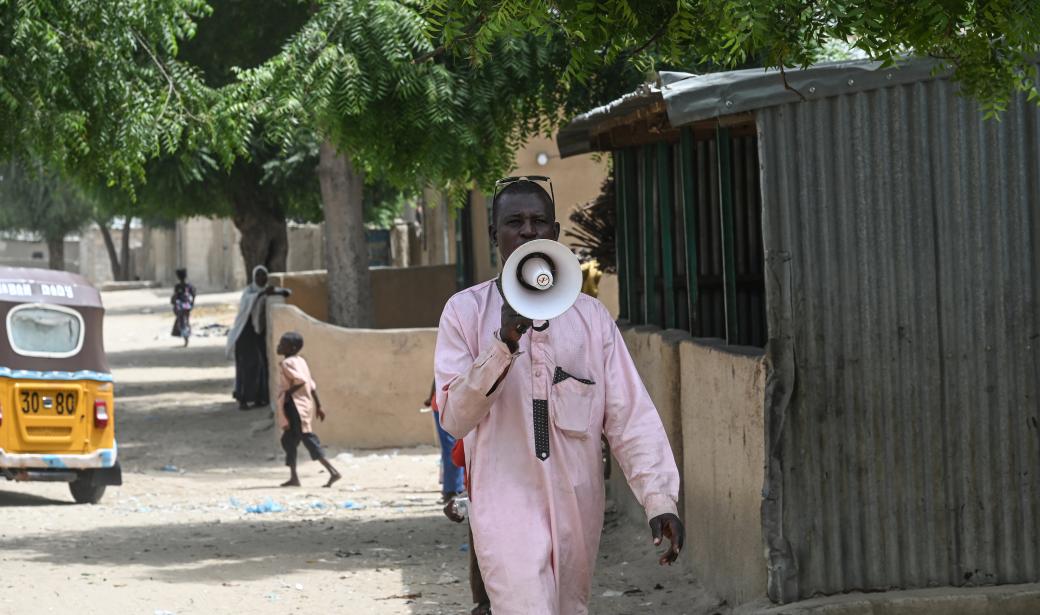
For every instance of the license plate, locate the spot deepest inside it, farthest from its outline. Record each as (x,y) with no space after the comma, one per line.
(59,403)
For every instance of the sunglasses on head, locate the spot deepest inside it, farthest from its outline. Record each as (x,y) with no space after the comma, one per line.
(505,181)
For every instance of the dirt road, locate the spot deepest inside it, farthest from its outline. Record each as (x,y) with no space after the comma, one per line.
(178,536)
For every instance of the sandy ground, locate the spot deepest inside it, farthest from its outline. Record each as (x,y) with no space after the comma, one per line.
(177,537)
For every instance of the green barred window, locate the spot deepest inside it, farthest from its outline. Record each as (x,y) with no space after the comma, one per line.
(690,235)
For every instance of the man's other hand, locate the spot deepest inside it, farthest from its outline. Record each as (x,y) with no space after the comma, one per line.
(451,513)
(668,526)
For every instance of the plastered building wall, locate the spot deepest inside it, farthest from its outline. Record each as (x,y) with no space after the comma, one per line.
(656,356)
(711,401)
(158,260)
(306,247)
(23,252)
(371,382)
(209,249)
(723,401)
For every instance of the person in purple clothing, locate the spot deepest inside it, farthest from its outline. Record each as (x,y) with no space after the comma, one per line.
(183,300)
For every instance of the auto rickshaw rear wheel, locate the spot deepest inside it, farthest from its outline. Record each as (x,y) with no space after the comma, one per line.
(84,490)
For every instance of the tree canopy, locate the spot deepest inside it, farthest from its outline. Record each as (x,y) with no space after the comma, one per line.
(992,46)
(368,76)
(95,88)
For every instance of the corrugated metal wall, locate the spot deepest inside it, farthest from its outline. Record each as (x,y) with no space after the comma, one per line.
(902,235)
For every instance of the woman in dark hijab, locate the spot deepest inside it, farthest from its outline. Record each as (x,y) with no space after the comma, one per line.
(247,343)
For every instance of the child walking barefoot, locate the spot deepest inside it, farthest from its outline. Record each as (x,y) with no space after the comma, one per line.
(297,397)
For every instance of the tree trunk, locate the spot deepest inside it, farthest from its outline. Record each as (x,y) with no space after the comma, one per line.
(265,240)
(259,217)
(110,246)
(56,252)
(124,252)
(346,249)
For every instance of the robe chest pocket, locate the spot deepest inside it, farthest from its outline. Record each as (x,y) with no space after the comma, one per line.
(572,402)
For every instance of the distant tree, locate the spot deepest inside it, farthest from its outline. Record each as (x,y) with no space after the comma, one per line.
(40,201)
(993,46)
(94,89)
(109,205)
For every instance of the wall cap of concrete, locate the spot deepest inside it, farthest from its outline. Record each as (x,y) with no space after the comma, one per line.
(132,285)
(678,336)
(305,316)
(671,337)
(325,271)
(720,345)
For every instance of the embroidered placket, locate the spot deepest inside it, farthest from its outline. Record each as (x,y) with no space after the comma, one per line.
(541,429)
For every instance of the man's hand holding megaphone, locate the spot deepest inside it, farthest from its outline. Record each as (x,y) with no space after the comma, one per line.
(513,326)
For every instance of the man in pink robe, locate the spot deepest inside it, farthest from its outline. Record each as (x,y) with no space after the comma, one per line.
(531,409)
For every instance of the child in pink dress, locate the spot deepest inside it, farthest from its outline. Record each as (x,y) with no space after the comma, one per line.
(297,401)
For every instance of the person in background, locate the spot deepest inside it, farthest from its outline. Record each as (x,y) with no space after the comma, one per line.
(183,300)
(246,343)
(590,278)
(451,474)
(298,404)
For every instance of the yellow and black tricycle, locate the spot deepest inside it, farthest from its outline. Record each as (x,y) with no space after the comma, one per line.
(56,391)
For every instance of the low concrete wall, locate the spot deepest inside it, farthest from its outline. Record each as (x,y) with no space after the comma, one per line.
(711,400)
(371,382)
(402,297)
(656,355)
(723,395)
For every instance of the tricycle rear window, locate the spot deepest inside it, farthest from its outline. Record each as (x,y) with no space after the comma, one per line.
(45,331)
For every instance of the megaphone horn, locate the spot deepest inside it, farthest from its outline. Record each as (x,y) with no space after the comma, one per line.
(541,279)
(535,272)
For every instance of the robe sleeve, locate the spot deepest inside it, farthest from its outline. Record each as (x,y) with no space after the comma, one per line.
(633,427)
(466,384)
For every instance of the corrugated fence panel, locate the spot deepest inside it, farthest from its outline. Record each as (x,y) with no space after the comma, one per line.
(908,229)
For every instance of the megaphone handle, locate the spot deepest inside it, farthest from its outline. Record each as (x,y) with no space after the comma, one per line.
(513,325)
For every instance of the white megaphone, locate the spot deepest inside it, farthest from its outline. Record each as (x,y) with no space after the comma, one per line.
(541,279)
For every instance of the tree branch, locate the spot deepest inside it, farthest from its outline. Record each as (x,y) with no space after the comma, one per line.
(787,85)
(172,86)
(467,32)
(653,39)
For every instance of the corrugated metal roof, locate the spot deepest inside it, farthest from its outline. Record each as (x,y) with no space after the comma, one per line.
(691,98)
(902,234)
(573,139)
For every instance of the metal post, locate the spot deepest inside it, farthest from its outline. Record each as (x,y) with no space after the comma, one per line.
(689,208)
(635,308)
(665,189)
(621,245)
(729,274)
(652,312)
